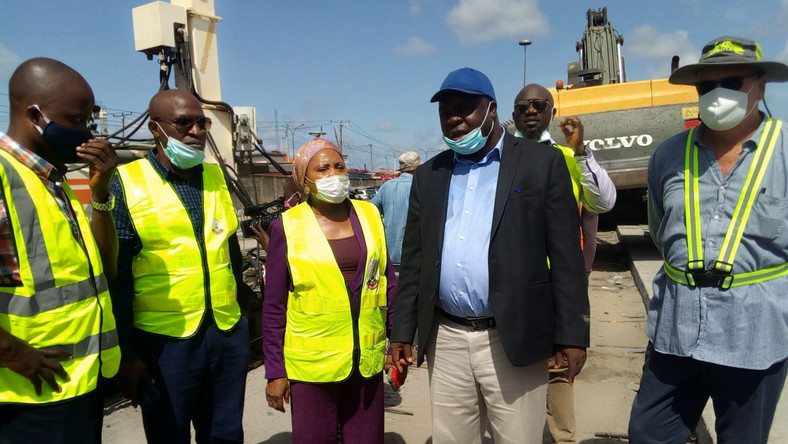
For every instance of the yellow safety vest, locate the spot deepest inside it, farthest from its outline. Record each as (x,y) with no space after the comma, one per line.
(175,274)
(321,336)
(574,171)
(63,302)
(720,276)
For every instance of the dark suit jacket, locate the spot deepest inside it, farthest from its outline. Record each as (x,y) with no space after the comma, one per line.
(535,216)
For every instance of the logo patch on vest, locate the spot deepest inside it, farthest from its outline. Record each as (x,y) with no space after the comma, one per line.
(373,276)
(216,227)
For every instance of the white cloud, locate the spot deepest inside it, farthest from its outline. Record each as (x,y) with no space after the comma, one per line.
(415,6)
(646,42)
(478,21)
(415,46)
(387,127)
(9,61)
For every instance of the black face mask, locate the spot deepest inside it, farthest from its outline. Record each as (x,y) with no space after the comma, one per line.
(63,140)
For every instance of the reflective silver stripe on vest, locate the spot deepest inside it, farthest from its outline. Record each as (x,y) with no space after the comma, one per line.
(88,346)
(50,298)
(47,296)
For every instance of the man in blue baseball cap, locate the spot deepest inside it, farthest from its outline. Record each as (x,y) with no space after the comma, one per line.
(718,196)
(483,218)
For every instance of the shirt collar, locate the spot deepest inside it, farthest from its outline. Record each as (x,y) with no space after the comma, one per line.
(38,164)
(749,145)
(162,169)
(494,154)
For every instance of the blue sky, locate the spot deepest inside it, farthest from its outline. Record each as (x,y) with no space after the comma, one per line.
(374,64)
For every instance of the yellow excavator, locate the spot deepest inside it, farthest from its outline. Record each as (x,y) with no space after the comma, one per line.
(624,122)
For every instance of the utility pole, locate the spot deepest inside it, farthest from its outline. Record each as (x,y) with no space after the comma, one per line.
(317,134)
(276,128)
(122,116)
(371,166)
(340,136)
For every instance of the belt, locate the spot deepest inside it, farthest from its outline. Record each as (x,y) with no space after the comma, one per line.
(475,323)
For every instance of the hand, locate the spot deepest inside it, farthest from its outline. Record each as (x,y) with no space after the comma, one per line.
(102,160)
(401,355)
(128,379)
(260,234)
(573,131)
(34,364)
(276,391)
(575,359)
(388,363)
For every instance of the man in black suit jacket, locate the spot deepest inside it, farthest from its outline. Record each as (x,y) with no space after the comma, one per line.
(487,344)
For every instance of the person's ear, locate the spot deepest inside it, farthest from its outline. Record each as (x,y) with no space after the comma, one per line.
(35,116)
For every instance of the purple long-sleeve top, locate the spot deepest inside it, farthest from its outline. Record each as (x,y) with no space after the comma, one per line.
(278,284)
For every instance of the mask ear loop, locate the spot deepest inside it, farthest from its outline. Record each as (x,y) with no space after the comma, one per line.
(162,131)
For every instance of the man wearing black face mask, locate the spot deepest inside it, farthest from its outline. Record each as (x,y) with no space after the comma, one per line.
(184,340)
(57,331)
(718,196)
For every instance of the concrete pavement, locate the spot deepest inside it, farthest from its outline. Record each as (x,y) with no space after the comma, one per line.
(603,391)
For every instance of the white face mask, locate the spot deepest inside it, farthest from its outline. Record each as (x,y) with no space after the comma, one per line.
(722,109)
(333,189)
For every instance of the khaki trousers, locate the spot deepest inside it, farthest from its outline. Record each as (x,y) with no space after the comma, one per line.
(472,383)
(560,404)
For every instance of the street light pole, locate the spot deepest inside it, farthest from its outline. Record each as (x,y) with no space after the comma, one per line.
(292,136)
(524,44)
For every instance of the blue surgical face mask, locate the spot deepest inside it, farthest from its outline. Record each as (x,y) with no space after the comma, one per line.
(64,141)
(181,155)
(471,142)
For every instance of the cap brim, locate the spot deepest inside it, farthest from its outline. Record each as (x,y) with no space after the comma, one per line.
(441,93)
(688,75)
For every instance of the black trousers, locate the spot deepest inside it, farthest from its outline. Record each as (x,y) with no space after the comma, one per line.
(75,421)
(674,390)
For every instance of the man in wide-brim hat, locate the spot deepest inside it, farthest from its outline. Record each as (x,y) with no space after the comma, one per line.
(718,196)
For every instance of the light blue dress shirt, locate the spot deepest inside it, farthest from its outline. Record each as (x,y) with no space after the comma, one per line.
(744,327)
(393,199)
(464,277)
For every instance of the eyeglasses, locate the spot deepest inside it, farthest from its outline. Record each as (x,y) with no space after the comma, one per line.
(538,104)
(185,123)
(734,83)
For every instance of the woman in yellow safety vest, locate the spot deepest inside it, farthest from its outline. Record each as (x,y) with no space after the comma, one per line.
(328,306)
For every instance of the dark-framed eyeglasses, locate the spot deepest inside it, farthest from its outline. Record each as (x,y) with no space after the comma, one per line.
(538,104)
(735,83)
(185,123)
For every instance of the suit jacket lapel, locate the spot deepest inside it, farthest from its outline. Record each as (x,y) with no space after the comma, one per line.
(510,159)
(443,166)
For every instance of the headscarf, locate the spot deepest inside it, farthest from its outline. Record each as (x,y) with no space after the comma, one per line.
(305,154)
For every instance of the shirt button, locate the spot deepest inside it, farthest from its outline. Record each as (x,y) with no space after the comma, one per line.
(459,265)
(710,243)
(462,237)
(462,293)
(471,187)
(716,216)
(467,212)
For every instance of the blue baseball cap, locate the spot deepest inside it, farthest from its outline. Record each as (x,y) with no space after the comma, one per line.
(467,80)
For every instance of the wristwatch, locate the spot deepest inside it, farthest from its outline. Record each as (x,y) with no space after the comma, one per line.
(103,206)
